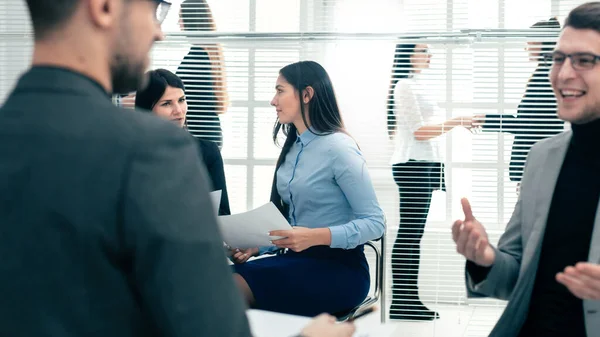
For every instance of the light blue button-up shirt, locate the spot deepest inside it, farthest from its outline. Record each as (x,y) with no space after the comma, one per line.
(326,184)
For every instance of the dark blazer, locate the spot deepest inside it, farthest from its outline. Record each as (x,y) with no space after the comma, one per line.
(211,155)
(536,119)
(106,225)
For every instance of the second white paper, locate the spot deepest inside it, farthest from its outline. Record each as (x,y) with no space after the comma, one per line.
(250,229)
(215,197)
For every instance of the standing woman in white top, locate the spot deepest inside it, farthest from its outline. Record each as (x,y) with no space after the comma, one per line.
(417,170)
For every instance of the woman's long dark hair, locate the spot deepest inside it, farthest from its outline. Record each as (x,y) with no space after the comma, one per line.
(402,68)
(323,112)
(157,82)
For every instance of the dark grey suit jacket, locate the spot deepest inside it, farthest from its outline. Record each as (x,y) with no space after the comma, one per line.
(106,225)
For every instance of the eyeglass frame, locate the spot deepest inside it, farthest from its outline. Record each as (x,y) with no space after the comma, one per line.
(549,59)
(162,10)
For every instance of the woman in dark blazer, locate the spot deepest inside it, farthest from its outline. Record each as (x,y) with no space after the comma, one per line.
(536,117)
(165,96)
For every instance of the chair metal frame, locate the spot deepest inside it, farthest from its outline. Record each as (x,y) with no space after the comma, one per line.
(379,291)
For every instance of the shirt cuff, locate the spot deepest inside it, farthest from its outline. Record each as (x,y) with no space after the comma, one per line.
(338,237)
(267,250)
(477,272)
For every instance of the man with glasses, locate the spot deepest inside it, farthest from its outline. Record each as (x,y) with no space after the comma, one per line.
(547,261)
(106,225)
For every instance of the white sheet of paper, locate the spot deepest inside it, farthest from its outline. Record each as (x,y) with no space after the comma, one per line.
(250,229)
(215,197)
(272,324)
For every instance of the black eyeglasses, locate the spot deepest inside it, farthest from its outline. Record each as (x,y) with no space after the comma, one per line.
(162,10)
(579,61)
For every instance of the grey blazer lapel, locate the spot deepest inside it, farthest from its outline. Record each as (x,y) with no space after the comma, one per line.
(591,307)
(594,255)
(547,169)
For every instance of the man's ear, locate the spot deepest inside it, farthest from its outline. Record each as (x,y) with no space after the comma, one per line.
(307,94)
(104,13)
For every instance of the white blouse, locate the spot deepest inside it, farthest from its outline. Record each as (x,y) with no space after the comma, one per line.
(413,109)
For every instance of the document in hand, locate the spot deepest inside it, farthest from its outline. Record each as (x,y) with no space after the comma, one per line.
(250,229)
(215,197)
(272,324)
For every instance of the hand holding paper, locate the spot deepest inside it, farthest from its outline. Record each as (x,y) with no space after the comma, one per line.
(242,255)
(251,229)
(302,238)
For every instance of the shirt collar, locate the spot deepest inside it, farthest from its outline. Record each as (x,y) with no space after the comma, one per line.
(307,136)
(60,78)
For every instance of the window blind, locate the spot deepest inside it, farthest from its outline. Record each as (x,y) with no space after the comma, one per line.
(479,66)
(16,43)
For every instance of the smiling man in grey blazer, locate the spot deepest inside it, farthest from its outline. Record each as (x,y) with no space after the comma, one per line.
(547,261)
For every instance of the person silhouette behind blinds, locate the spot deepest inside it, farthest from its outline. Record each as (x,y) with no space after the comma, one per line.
(202,72)
(536,117)
(417,169)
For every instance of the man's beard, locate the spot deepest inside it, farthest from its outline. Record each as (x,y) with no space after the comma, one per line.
(588,114)
(126,72)
(127,76)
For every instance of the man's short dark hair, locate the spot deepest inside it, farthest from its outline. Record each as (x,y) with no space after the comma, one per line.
(586,16)
(48,15)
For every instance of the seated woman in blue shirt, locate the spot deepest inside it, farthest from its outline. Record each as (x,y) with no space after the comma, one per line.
(322,186)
